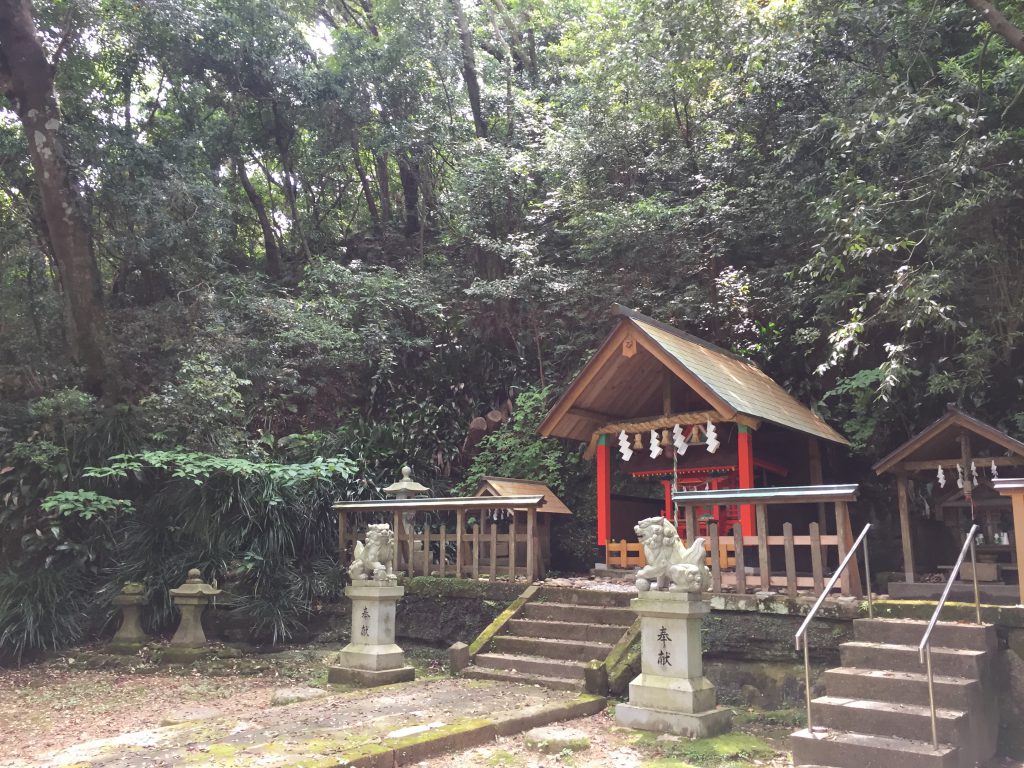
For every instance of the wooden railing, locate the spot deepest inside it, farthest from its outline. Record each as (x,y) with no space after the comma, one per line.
(439,550)
(440,541)
(776,556)
(630,554)
(624,554)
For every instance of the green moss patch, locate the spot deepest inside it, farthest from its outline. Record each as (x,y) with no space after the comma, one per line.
(729,749)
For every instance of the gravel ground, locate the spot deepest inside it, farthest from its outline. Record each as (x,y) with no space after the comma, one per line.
(614,747)
(52,705)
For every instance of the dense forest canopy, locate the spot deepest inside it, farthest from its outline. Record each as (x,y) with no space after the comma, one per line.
(255,254)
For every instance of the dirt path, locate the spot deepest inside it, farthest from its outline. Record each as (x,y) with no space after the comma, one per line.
(50,706)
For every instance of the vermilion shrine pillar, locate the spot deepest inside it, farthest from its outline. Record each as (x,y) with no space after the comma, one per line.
(745,449)
(604,490)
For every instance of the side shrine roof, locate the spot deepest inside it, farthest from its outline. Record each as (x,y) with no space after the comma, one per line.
(508,486)
(940,441)
(731,385)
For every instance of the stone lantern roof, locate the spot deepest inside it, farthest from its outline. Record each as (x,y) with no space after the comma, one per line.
(194,585)
(406,488)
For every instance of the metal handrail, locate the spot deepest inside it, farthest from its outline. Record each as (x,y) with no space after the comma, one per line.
(925,648)
(801,633)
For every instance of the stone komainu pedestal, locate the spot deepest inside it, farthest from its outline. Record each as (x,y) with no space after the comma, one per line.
(671,694)
(372,658)
(191,599)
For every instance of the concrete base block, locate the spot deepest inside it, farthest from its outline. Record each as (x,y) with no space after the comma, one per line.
(694,694)
(376,658)
(701,725)
(367,678)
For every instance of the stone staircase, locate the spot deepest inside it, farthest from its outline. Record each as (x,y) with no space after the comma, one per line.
(552,637)
(875,713)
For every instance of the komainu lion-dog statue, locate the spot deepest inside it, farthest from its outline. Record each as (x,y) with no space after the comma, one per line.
(669,564)
(373,559)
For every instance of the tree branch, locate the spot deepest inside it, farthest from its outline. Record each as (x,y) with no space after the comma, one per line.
(1001,25)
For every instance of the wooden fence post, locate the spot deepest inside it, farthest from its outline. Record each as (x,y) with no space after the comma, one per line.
(716,557)
(476,550)
(741,571)
(817,570)
(764,562)
(460,527)
(531,532)
(791,586)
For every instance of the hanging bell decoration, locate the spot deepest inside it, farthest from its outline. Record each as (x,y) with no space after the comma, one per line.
(624,449)
(655,448)
(941,477)
(666,441)
(638,442)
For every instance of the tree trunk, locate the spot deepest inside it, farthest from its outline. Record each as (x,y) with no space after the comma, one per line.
(1001,25)
(383,186)
(273,252)
(364,182)
(27,80)
(469,69)
(409,172)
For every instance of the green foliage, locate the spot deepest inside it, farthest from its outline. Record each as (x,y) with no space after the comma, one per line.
(84,504)
(516,450)
(309,250)
(42,608)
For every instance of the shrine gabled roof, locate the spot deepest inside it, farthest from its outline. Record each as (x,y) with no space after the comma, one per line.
(939,440)
(509,486)
(615,386)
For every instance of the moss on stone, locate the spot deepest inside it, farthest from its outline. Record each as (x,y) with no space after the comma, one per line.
(499,622)
(718,751)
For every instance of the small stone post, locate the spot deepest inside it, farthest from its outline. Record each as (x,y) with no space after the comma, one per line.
(671,694)
(372,657)
(130,601)
(191,599)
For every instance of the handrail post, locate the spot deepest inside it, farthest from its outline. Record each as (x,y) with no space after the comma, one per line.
(931,694)
(925,646)
(801,633)
(974,574)
(807,686)
(867,580)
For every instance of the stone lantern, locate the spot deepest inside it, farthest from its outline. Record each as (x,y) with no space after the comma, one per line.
(406,488)
(130,601)
(191,599)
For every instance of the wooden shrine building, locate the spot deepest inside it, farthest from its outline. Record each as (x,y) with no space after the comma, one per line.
(550,505)
(945,475)
(718,422)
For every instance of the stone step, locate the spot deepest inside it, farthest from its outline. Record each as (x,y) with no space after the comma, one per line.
(566,630)
(550,648)
(580,614)
(843,749)
(901,687)
(507,676)
(573,596)
(947,634)
(952,662)
(882,718)
(532,665)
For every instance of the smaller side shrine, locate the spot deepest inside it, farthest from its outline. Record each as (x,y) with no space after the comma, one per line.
(662,411)
(947,478)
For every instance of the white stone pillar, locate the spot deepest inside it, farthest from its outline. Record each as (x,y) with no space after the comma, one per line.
(372,657)
(671,694)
